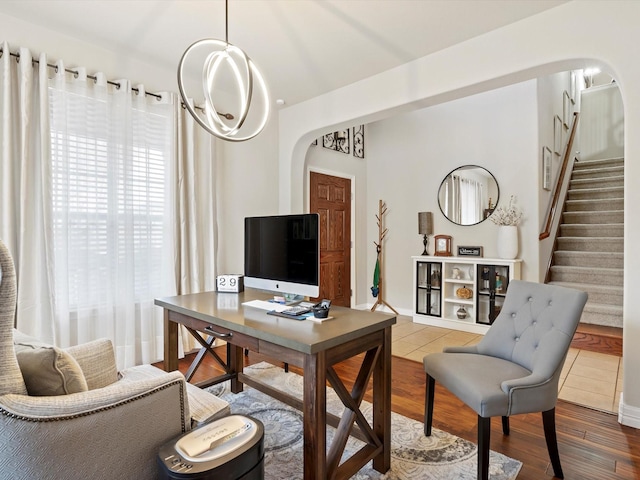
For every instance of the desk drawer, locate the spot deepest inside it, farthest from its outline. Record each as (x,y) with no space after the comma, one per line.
(231,336)
(235,338)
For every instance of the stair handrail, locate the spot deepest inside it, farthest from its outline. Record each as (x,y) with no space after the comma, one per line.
(555,199)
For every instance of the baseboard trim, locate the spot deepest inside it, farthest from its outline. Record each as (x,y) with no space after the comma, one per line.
(628,415)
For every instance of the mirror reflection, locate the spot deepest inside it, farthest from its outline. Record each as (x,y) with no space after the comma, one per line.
(468,195)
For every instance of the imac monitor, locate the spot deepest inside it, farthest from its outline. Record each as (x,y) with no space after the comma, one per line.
(282,254)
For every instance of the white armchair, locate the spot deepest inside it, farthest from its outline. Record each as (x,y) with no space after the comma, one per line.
(88,421)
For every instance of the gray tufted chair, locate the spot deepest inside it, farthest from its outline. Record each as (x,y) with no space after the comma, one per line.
(515,368)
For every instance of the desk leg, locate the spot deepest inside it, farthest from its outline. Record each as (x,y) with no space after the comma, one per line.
(315,417)
(382,403)
(170,343)
(235,363)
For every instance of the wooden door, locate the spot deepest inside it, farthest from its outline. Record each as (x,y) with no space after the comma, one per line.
(330,197)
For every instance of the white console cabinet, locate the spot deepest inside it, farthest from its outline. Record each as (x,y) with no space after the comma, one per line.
(461,293)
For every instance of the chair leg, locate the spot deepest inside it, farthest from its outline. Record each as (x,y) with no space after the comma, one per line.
(428,405)
(484,440)
(505,425)
(549,423)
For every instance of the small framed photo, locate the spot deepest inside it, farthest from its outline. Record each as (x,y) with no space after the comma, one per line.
(557,135)
(566,106)
(546,168)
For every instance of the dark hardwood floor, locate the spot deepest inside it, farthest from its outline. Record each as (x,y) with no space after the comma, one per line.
(592,444)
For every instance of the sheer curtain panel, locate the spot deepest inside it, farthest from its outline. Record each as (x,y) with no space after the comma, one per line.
(25,184)
(195,218)
(111,184)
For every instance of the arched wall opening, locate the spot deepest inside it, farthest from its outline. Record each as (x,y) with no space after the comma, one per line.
(500,58)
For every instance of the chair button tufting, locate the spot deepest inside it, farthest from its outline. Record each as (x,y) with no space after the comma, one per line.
(513,315)
(517,339)
(531,299)
(534,322)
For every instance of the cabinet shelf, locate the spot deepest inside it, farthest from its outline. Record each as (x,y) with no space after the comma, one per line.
(439,305)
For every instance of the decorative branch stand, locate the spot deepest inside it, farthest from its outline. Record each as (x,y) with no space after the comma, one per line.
(382,232)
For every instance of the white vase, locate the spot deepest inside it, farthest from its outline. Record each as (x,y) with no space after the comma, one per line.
(507,241)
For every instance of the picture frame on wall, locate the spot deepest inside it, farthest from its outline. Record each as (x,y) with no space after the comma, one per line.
(566,106)
(328,141)
(546,168)
(557,135)
(572,86)
(358,141)
(342,140)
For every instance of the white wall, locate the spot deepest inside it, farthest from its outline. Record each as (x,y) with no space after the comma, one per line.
(602,123)
(571,36)
(550,104)
(408,157)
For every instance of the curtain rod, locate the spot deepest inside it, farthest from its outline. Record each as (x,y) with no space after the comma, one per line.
(157,96)
(75,73)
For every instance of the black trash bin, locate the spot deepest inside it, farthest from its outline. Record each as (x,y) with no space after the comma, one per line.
(231,448)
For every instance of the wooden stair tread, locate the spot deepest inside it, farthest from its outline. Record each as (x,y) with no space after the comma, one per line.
(600,330)
(598,338)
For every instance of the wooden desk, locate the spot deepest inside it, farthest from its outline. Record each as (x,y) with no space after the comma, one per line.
(314,347)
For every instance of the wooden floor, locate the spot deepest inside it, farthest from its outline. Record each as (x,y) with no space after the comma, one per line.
(592,444)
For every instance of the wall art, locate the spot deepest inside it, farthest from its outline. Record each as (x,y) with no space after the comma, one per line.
(358,141)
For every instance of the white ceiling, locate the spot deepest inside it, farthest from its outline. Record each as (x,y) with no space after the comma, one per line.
(303,47)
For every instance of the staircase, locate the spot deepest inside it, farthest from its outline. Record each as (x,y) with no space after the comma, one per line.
(589,249)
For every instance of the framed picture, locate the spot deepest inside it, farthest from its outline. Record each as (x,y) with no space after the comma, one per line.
(342,141)
(443,245)
(572,87)
(566,106)
(557,135)
(546,168)
(328,141)
(358,141)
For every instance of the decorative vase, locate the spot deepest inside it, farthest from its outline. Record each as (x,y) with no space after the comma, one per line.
(461,313)
(507,241)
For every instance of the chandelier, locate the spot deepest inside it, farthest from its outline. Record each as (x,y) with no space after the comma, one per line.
(220,61)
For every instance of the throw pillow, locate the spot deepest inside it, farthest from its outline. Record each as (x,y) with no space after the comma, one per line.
(49,370)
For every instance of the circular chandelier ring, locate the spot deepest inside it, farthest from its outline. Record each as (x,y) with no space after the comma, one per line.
(214,124)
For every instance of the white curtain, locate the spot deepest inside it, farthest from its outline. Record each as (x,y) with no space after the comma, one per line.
(195,222)
(111,193)
(24,182)
(108,202)
(464,200)
(471,201)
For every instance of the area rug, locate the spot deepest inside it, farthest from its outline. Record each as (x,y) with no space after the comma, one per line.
(413,456)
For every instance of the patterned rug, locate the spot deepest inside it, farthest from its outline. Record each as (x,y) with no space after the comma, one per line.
(413,456)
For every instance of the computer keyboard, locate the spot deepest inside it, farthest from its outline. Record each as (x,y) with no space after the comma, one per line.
(266,305)
(297,310)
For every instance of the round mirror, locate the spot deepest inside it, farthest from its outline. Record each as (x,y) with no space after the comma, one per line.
(468,195)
